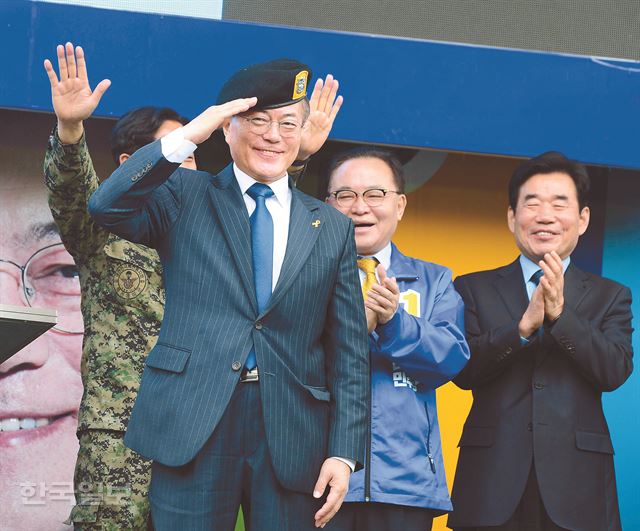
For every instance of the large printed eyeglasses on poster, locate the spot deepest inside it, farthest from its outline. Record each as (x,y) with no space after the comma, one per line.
(49,280)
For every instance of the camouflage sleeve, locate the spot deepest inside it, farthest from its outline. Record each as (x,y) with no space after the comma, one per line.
(71,179)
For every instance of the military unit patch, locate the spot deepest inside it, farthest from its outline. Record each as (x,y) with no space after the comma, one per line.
(300,85)
(129,281)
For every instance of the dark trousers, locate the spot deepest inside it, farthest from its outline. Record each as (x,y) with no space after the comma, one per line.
(530,514)
(232,469)
(372,516)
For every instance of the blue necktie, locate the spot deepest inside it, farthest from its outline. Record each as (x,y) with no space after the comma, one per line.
(535,278)
(262,251)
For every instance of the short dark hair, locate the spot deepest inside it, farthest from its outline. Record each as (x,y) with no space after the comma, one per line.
(363,152)
(138,127)
(550,162)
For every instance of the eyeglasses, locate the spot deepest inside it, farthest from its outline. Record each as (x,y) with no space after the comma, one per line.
(374,197)
(50,279)
(260,126)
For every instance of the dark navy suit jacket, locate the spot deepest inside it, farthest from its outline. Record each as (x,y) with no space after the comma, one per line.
(540,404)
(310,342)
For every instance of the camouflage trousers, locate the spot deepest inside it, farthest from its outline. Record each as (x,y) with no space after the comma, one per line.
(111,484)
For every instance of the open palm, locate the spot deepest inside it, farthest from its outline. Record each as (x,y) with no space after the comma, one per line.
(324,107)
(72,97)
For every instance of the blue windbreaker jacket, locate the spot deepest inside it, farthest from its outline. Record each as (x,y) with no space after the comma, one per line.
(422,347)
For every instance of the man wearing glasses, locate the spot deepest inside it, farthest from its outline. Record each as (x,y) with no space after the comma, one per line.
(256,391)
(122,288)
(122,296)
(416,342)
(40,386)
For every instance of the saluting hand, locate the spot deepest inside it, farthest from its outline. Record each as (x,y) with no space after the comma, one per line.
(202,126)
(323,107)
(71,95)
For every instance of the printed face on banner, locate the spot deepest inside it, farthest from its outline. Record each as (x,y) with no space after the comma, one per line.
(40,387)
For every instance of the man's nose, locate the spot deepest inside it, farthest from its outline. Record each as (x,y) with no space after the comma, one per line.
(33,356)
(545,214)
(273,133)
(36,353)
(360,206)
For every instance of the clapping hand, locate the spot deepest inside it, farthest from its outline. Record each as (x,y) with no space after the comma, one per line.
(383,298)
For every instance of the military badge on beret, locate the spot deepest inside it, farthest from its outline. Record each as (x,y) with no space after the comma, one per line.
(300,85)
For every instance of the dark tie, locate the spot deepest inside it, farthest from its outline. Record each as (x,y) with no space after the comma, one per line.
(535,278)
(262,251)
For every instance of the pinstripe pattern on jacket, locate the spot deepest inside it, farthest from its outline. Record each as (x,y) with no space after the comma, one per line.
(310,341)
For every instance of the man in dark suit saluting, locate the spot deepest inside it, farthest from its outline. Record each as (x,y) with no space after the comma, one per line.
(546,340)
(256,392)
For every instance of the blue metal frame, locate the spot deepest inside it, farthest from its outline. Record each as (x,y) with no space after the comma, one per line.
(397,91)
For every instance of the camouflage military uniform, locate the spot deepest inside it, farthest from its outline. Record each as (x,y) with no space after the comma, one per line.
(122,308)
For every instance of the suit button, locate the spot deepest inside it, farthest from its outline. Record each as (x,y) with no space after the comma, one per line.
(258,325)
(529,427)
(236,365)
(538,386)
(508,351)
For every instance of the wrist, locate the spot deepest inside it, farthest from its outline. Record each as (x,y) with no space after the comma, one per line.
(553,317)
(526,330)
(194,135)
(70,132)
(385,320)
(554,313)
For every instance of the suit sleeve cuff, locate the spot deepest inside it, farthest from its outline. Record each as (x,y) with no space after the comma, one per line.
(349,462)
(175,147)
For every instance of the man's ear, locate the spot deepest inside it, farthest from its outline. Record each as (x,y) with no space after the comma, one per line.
(123,157)
(511,219)
(402,204)
(225,128)
(583,221)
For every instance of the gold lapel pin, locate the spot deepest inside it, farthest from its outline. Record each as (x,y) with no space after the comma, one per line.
(316,224)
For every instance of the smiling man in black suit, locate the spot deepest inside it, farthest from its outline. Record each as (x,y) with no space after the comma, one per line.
(546,340)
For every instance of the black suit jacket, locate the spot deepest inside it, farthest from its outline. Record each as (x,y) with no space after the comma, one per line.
(310,341)
(541,403)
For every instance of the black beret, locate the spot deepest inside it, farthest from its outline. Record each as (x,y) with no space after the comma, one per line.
(275,83)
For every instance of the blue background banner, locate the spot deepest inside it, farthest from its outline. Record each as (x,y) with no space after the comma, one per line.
(399,91)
